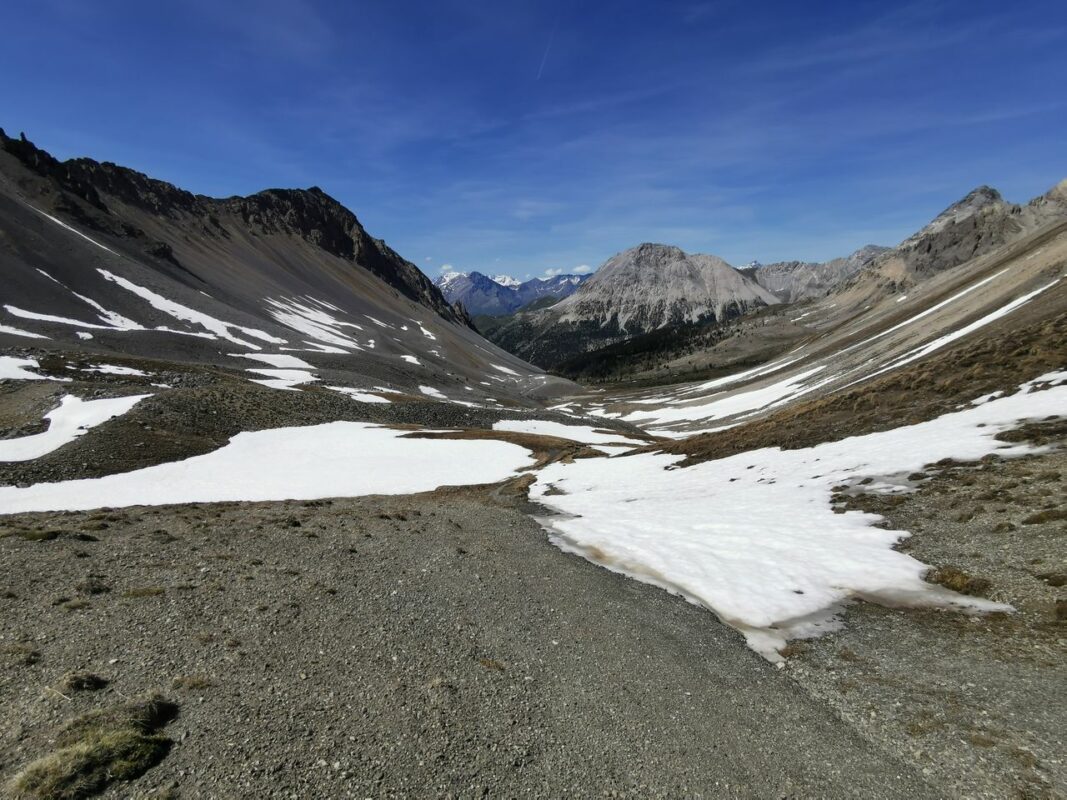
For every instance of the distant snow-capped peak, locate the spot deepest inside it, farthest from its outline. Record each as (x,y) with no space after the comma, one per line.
(449,278)
(507,280)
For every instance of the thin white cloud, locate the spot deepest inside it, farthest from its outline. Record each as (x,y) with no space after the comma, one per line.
(581,269)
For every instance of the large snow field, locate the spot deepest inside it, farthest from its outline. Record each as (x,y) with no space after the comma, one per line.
(337,459)
(754,538)
(71,419)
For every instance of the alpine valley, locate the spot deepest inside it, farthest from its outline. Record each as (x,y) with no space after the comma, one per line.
(280,516)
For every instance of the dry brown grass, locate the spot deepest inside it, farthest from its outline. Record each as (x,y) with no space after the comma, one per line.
(21,654)
(999,361)
(959,581)
(192,683)
(82,682)
(111,744)
(545,449)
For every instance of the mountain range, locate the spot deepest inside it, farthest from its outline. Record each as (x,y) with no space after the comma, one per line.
(680,302)
(247,435)
(479,294)
(106,259)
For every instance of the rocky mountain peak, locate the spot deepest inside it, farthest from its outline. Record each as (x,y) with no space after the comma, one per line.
(976,201)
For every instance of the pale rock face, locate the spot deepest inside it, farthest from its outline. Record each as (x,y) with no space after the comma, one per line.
(794,281)
(653,285)
(977,202)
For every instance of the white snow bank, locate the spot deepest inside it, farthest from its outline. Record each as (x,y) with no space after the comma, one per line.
(315,323)
(932,309)
(338,459)
(62,224)
(737,377)
(18,369)
(948,338)
(412,360)
(357,394)
(19,332)
(15,311)
(429,391)
(505,370)
(112,369)
(70,420)
(280,361)
(282,378)
(576,433)
(753,537)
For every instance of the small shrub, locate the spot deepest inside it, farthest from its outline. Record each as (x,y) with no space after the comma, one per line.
(22,654)
(82,682)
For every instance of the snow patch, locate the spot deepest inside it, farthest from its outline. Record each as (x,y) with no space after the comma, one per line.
(18,369)
(73,418)
(19,332)
(429,391)
(338,459)
(112,369)
(753,537)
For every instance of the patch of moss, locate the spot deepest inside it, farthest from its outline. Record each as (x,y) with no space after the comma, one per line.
(111,744)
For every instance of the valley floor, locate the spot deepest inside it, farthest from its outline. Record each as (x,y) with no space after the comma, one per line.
(438,645)
(432,645)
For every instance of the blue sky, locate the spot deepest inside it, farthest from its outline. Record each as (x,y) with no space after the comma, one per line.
(520,137)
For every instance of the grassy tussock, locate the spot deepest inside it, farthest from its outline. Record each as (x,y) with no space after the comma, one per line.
(111,744)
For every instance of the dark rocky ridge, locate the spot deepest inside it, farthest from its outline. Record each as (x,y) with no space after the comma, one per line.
(310,214)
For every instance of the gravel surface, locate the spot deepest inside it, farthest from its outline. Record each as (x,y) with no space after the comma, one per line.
(977,703)
(429,646)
